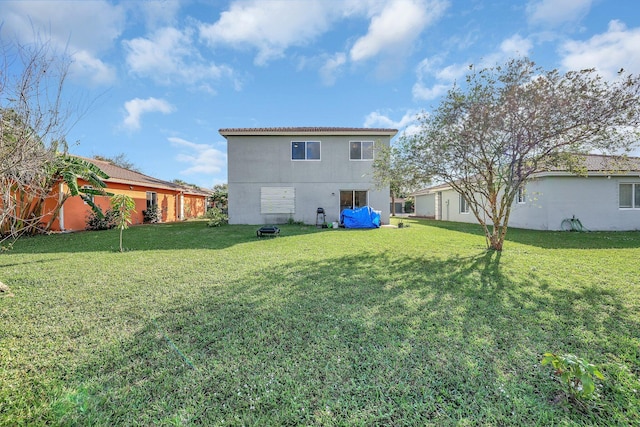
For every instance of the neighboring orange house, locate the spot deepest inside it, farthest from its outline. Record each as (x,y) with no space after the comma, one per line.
(175,202)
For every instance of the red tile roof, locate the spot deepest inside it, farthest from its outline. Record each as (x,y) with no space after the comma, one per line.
(121,175)
(306,130)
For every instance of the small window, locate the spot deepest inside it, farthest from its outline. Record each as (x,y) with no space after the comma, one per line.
(629,196)
(361,150)
(305,150)
(522,195)
(464,206)
(88,196)
(152,199)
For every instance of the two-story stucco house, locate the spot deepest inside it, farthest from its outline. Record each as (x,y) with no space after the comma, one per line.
(281,174)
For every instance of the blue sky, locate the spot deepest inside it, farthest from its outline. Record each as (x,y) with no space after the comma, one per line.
(163,76)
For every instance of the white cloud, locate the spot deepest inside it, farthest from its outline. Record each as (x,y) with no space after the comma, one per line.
(159,13)
(555,12)
(137,107)
(89,68)
(452,72)
(272,26)
(168,56)
(332,67)
(608,52)
(202,158)
(82,29)
(408,124)
(433,80)
(514,46)
(426,93)
(396,27)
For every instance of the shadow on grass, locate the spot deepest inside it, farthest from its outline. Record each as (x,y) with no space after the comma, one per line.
(548,239)
(359,340)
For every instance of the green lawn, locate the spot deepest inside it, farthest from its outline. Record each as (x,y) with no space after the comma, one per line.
(413,326)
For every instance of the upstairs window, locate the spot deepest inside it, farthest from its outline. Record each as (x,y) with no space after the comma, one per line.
(361,150)
(305,150)
(629,196)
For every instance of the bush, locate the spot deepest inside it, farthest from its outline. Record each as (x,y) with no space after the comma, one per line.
(576,375)
(152,215)
(216,217)
(408,206)
(107,222)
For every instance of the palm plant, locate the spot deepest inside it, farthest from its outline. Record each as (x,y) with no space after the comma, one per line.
(122,206)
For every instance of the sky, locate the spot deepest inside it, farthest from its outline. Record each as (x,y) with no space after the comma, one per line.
(157,79)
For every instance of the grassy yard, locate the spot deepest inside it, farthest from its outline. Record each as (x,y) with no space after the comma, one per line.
(413,326)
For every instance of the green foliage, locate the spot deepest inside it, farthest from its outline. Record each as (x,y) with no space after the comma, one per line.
(219,197)
(492,133)
(408,206)
(216,217)
(122,206)
(151,215)
(97,222)
(576,375)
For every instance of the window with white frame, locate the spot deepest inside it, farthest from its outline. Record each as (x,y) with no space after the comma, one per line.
(360,150)
(305,150)
(629,196)
(522,195)
(152,200)
(464,206)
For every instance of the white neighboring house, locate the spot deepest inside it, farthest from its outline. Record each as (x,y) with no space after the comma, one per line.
(281,174)
(606,199)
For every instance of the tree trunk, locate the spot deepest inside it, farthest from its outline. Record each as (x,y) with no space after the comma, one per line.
(496,239)
(495,243)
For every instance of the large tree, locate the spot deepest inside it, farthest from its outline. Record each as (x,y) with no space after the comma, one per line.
(34,121)
(490,135)
(390,168)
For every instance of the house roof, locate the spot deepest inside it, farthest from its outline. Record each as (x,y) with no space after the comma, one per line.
(307,130)
(595,164)
(121,175)
(604,164)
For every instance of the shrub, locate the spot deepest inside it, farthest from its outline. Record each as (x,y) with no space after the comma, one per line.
(216,217)
(151,215)
(408,206)
(576,375)
(106,222)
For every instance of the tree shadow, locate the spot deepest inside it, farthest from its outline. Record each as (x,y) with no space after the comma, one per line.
(364,339)
(548,239)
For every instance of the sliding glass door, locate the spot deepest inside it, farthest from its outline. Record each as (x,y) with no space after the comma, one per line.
(351,199)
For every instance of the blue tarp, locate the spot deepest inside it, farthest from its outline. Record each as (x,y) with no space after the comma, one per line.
(363,217)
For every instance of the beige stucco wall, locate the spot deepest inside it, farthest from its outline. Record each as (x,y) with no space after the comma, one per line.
(550,200)
(265,161)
